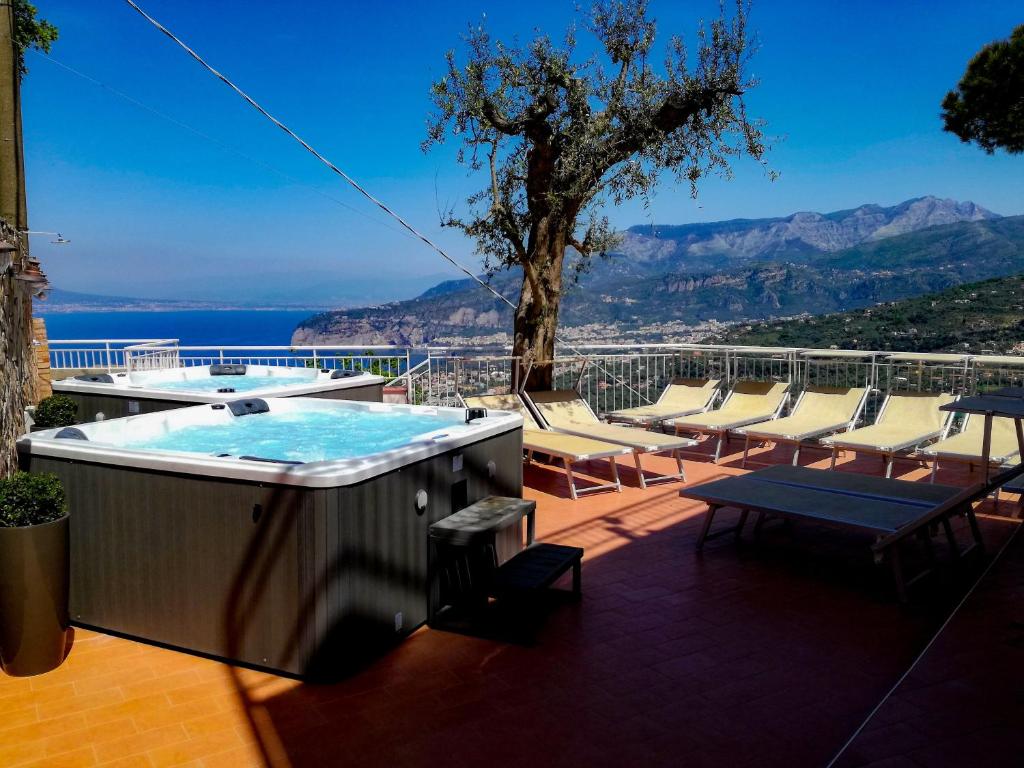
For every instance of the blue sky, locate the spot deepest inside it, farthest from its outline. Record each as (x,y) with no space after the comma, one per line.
(850,90)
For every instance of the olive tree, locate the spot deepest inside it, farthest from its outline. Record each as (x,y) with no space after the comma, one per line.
(987,106)
(558,136)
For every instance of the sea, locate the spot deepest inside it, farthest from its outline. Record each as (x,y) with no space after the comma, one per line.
(228,327)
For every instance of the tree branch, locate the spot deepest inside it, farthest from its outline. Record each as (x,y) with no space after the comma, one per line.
(673,113)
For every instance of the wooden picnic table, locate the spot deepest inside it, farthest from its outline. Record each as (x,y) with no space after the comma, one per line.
(891,510)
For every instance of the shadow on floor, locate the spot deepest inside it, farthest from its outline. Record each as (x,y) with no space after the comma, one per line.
(768,653)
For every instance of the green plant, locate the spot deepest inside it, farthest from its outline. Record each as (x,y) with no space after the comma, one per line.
(384,366)
(30,32)
(559,134)
(55,411)
(27,499)
(986,106)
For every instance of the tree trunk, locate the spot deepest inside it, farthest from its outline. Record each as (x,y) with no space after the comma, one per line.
(536,317)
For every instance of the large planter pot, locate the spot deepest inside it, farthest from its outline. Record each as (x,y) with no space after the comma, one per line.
(33,597)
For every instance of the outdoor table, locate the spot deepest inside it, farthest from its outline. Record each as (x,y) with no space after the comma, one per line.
(1007,392)
(991,406)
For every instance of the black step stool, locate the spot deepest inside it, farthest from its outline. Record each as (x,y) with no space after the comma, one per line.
(537,567)
(464,561)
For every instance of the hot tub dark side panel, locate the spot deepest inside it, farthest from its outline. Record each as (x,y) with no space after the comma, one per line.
(116,406)
(378,583)
(206,565)
(307,582)
(371,393)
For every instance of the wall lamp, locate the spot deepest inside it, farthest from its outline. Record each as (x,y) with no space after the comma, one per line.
(59,241)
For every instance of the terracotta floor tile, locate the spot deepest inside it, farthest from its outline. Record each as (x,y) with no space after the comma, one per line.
(71,740)
(164,713)
(131,761)
(164,684)
(141,743)
(240,757)
(795,635)
(16,718)
(112,679)
(83,757)
(133,708)
(42,729)
(19,752)
(79,704)
(197,748)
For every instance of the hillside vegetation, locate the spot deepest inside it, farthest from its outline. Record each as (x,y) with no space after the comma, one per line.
(983,317)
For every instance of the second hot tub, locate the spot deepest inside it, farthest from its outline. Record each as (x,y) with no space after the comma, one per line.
(113,395)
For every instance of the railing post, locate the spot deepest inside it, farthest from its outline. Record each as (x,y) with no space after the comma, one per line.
(458,374)
(107,346)
(408,375)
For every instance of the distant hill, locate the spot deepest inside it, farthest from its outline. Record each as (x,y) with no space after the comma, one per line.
(723,271)
(986,316)
(61,301)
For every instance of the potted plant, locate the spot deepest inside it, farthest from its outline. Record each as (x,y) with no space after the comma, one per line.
(54,411)
(33,573)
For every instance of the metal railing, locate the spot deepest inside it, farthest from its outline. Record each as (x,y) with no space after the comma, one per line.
(95,354)
(609,377)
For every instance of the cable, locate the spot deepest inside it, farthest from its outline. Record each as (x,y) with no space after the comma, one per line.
(921,655)
(351,181)
(217,142)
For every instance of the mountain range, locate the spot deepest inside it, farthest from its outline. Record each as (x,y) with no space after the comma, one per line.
(986,317)
(719,272)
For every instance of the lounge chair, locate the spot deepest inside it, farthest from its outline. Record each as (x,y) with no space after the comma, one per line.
(568,448)
(966,446)
(749,402)
(819,411)
(682,397)
(890,510)
(563,410)
(905,422)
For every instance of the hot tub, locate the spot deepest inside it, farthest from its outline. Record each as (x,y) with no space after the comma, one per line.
(289,534)
(112,395)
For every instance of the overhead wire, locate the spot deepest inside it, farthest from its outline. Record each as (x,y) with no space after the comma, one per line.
(352,182)
(216,142)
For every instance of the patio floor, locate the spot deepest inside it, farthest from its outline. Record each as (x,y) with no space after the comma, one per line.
(760,654)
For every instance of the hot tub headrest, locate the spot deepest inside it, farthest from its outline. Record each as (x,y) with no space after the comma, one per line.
(339,374)
(99,378)
(475,413)
(249,405)
(71,433)
(227,369)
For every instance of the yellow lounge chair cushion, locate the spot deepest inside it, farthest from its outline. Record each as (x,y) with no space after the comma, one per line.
(968,444)
(821,410)
(566,411)
(750,402)
(544,441)
(681,397)
(909,418)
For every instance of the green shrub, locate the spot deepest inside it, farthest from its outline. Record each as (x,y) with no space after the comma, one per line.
(55,411)
(27,499)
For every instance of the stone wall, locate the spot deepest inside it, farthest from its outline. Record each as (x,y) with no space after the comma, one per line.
(17,358)
(42,349)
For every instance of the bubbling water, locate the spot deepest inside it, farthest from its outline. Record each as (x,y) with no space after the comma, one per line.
(304,436)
